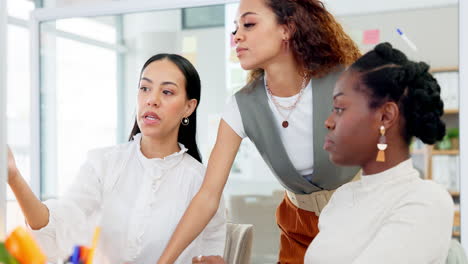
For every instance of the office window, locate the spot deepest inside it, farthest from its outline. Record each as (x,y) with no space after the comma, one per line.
(202,17)
(78,98)
(20,8)
(18,97)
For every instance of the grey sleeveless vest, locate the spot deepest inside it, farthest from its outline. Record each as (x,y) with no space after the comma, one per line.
(259,126)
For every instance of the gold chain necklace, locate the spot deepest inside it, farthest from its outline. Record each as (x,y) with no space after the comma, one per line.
(285,122)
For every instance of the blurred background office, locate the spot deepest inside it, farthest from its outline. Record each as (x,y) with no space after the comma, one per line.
(69,72)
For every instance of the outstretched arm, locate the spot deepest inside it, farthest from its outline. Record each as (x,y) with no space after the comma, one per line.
(35,212)
(206,201)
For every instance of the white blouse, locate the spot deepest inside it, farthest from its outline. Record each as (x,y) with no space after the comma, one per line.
(386,218)
(297,138)
(138,203)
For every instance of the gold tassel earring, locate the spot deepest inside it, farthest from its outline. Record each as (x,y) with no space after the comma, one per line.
(382,145)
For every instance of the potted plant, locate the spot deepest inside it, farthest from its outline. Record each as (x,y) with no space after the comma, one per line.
(453,136)
(444,144)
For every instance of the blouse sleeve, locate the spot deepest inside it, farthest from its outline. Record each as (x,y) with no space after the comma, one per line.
(419,231)
(214,235)
(232,117)
(73,216)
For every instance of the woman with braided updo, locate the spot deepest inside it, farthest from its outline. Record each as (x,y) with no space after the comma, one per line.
(390,215)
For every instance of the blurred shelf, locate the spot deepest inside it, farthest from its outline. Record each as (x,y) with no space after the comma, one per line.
(444,69)
(451,111)
(445,152)
(456,224)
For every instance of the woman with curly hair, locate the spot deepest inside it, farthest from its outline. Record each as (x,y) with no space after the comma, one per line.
(295,50)
(390,215)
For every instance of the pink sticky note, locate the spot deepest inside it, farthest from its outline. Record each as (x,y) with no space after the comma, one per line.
(371,36)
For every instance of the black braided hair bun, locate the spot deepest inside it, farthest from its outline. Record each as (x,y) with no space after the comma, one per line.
(411,85)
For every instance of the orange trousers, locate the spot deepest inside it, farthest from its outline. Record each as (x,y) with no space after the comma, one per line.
(298,228)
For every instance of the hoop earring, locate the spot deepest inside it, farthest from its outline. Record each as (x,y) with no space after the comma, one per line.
(382,145)
(185,121)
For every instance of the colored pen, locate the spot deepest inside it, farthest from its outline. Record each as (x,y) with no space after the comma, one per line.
(75,257)
(97,232)
(407,40)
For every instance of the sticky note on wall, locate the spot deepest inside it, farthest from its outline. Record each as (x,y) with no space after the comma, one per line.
(371,36)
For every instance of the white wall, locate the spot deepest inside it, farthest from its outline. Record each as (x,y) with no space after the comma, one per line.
(354,7)
(463,9)
(432,31)
(210,64)
(145,34)
(3,171)
(341,7)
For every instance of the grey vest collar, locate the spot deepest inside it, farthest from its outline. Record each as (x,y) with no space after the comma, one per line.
(259,126)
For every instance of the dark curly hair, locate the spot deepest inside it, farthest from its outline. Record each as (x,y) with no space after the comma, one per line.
(386,75)
(318,41)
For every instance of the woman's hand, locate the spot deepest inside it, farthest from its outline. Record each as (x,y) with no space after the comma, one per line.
(12,169)
(208,260)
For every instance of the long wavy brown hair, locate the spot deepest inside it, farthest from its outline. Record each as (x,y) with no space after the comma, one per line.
(318,41)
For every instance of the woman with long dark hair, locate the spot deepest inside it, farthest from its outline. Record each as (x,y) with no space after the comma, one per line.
(137,191)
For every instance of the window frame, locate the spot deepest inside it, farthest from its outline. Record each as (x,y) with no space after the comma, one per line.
(463,121)
(3,128)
